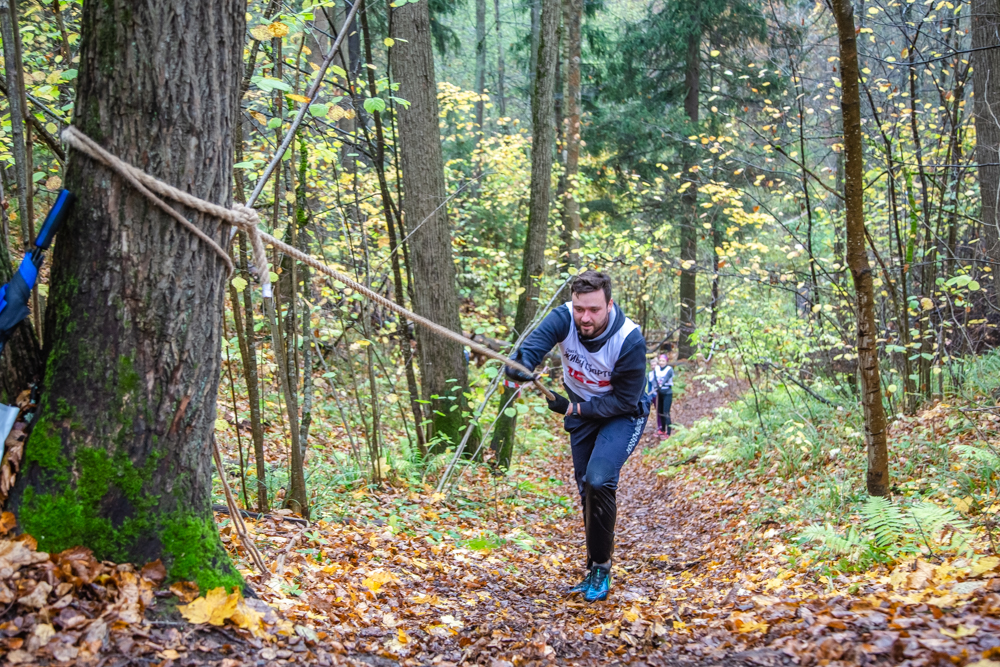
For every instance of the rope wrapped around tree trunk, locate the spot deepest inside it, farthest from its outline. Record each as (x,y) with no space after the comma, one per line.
(247,219)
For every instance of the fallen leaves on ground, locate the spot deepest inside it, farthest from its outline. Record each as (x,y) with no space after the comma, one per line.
(411,576)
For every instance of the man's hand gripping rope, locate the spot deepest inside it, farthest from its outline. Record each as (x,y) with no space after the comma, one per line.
(246,219)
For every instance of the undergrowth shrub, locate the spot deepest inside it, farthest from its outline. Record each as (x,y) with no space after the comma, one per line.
(890,532)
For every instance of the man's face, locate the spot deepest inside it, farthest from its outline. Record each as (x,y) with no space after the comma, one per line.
(591,312)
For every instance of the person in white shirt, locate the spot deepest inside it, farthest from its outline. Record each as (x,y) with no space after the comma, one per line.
(661,391)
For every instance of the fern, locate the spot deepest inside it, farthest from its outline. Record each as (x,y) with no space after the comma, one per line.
(885,520)
(978,454)
(932,522)
(889,531)
(849,544)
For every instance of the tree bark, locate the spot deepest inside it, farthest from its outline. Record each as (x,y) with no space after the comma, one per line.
(689,229)
(119,459)
(533,262)
(536,28)
(857,255)
(391,216)
(18,112)
(435,295)
(572,27)
(986,109)
(501,100)
(480,64)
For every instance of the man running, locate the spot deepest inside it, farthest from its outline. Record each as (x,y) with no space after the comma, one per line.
(604,373)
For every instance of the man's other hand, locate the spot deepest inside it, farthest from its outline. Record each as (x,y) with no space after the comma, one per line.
(559,404)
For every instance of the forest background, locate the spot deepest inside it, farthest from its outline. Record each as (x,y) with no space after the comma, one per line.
(695,151)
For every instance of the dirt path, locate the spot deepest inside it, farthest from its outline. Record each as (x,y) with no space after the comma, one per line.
(696,585)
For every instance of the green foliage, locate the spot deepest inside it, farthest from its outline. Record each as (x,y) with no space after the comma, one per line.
(892,532)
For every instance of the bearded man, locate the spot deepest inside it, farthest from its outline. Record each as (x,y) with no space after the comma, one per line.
(604,373)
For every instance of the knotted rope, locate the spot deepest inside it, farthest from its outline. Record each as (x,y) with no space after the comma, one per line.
(246,219)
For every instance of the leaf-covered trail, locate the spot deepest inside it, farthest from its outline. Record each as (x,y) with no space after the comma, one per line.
(408,577)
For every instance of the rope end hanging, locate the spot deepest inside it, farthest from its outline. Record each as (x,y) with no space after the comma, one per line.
(248,222)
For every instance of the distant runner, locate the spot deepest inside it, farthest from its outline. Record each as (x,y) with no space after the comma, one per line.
(661,391)
(604,373)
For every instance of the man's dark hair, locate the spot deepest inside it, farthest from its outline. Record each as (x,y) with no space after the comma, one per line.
(591,281)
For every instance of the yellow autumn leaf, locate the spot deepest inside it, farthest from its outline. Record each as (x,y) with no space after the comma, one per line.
(277,29)
(259,117)
(680,625)
(376,580)
(302,99)
(335,113)
(959,632)
(260,33)
(984,565)
(631,616)
(248,619)
(388,41)
(55,77)
(745,625)
(926,304)
(214,608)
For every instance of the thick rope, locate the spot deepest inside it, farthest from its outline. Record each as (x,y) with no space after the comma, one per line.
(246,219)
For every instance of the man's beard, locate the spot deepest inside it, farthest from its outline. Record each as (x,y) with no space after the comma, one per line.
(598,330)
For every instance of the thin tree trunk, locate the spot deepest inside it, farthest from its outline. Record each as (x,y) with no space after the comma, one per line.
(248,348)
(21,365)
(435,296)
(572,24)
(15,84)
(501,100)
(689,230)
(480,64)
(533,263)
(27,231)
(986,107)
(397,273)
(857,256)
(64,44)
(253,384)
(295,498)
(119,459)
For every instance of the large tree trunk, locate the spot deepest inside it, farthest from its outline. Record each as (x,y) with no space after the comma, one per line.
(572,22)
(533,263)
(119,459)
(435,296)
(986,107)
(689,229)
(857,254)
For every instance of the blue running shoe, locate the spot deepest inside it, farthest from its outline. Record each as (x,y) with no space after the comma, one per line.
(600,584)
(584,585)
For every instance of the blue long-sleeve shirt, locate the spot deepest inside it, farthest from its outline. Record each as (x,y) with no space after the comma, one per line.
(628,378)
